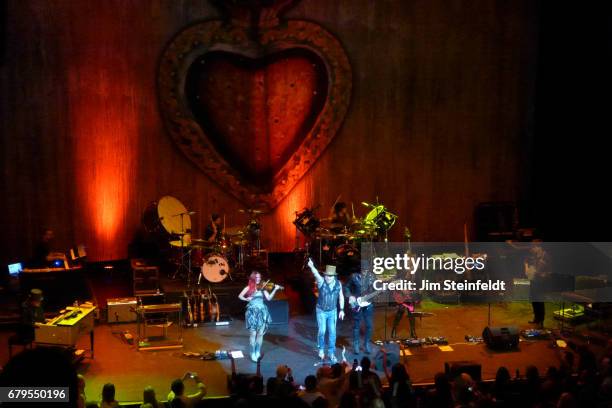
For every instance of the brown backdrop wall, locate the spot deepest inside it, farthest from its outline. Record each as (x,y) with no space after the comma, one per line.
(440,118)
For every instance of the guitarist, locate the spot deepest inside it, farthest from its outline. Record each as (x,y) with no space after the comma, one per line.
(406,303)
(359,284)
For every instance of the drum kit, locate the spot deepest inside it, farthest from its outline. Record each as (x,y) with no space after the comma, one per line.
(340,243)
(214,260)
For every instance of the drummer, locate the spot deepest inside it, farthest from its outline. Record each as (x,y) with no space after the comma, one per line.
(214,230)
(340,218)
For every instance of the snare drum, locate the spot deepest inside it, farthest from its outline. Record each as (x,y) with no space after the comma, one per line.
(215,268)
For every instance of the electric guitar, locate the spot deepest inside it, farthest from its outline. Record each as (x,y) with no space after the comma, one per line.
(213,306)
(189,312)
(210,305)
(356,303)
(202,311)
(407,299)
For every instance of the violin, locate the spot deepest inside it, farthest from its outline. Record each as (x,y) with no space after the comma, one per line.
(268,285)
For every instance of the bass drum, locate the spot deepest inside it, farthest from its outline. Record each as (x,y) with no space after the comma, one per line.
(215,268)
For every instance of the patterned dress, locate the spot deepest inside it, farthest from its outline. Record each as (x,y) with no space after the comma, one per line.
(257,316)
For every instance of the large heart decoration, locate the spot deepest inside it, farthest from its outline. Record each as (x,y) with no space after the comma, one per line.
(254,107)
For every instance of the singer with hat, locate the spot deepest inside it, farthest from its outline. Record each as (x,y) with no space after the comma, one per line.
(330,299)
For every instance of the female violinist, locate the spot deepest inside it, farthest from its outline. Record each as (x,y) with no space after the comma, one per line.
(257,316)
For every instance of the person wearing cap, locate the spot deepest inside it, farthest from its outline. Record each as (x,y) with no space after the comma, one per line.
(31,313)
(330,298)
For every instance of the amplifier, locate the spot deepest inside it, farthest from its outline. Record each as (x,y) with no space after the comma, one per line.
(520,289)
(121,310)
(145,277)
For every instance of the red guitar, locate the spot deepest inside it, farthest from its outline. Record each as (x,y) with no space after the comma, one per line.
(407,299)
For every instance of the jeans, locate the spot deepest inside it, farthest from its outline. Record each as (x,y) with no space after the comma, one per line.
(365,313)
(398,318)
(326,321)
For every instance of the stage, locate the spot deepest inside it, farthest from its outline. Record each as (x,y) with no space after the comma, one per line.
(294,344)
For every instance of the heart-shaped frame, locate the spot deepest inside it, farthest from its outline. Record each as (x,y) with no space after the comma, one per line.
(216,35)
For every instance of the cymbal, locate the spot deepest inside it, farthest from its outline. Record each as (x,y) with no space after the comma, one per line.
(240,242)
(325,223)
(198,240)
(355,225)
(250,211)
(233,231)
(331,235)
(179,243)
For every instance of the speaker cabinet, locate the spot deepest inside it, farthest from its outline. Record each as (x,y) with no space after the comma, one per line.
(279,311)
(501,338)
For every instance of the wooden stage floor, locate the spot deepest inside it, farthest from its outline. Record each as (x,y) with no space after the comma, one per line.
(294,344)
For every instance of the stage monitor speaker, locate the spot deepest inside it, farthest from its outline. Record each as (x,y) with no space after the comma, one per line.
(454,368)
(393,356)
(279,311)
(501,338)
